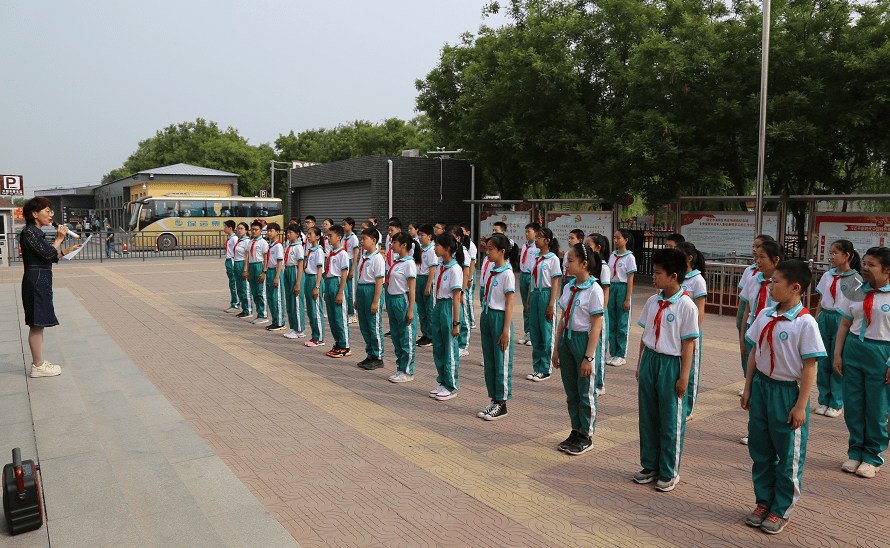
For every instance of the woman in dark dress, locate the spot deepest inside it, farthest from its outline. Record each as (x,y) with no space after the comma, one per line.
(37,283)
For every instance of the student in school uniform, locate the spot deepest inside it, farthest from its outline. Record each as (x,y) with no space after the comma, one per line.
(313,274)
(527,255)
(694,284)
(325,228)
(293,282)
(275,264)
(673,240)
(756,296)
(581,345)
(780,373)
(439,228)
(369,299)
(600,244)
(446,316)
(231,241)
(414,231)
(255,271)
(544,287)
(336,271)
(576,236)
(483,270)
(463,338)
(498,285)
(401,281)
(670,330)
(239,258)
(310,223)
(426,273)
(846,263)
(747,276)
(862,356)
(473,253)
(394,228)
(353,249)
(623,265)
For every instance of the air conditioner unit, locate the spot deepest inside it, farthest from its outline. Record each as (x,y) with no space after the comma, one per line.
(411,153)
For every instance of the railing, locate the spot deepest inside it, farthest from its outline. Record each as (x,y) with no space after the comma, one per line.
(141,245)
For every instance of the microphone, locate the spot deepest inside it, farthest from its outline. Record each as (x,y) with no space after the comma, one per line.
(75,234)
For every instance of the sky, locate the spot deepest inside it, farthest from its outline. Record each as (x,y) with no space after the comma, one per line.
(81,83)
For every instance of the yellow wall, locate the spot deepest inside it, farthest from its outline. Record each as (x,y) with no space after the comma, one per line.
(159,189)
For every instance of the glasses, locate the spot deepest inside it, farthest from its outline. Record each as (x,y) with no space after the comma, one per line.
(539,237)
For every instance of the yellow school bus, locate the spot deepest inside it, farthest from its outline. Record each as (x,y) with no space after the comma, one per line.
(193,219)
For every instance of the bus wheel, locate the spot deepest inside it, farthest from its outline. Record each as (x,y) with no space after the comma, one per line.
(166,242)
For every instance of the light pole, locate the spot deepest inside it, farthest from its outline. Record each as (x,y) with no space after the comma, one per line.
(272,170)
(761,142)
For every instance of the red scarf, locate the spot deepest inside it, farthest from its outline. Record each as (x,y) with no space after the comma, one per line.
(327,264)
(768,334)
(662,304)
(538,261)
(568,315)
(761,297)
(393,265)
(615,267)
(833,289)
(439,279)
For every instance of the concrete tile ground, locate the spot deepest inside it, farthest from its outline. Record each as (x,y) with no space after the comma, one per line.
(341,457)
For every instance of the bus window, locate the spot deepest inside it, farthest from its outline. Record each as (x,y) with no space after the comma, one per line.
(217,209)
(247,209)
(226,209)
(166,208)
(191,208)
(269,209)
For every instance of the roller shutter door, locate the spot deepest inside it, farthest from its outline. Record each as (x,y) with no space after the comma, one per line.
(336,201)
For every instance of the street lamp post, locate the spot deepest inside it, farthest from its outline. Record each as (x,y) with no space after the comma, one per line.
(761,143)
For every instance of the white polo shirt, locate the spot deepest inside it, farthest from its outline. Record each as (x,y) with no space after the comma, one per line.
(527,255)
(428,259)
(398,273)
(448,278)
(747,275)
(497,283)
(351,244)
(336,263)
(781,349)
(484,271)
(293,252)
(314,260)
(587,302)
(622,265)
(371,267)
(231,242)
(879,327)
(605,274)
(276,251)
(240,251)
(831,279)
(695,285)
(467,258)
(545,269)
(678,322)
(256,250)
(751,295)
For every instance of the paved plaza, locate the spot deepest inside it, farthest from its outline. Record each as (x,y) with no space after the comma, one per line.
(338,456)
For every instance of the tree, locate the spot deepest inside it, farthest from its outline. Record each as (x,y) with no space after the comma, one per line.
(202,144)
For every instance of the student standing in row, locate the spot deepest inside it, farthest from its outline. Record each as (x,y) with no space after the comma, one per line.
(463,338)
(231,241)
(446,314)
(777,395)
(672,241)
(255,271)
(747,276)
(336,271)
(670,330)
(546,276)
(369,299)
(527,255)
(581,345)
(401,282)
(846,263)
(275,262)
(600,244)
(498,285)
(312,292)
(862,356)
(310,224)
(239,257)
(426,273)
(695,285)
(350,241)
(576,236)
(293,282)
(623,265)
(473,253)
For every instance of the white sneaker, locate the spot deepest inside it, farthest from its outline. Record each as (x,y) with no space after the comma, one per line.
(832,413)
(232,309)
(530,376)
(744,440)
(300,334)
(259,321)
(850,466)
(290,334)
(393,376)
(611,360)
(620,361)
(819,410)
(353,318)
(741,393)
(667,485)
(463,352)
(436,391)
(401,376)
(528,340)
(445,395)
(689,417)
(523,340)
(45,370)
(600,391)
(867,470)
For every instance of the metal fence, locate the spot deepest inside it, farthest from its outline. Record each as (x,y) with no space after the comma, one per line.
(140,245)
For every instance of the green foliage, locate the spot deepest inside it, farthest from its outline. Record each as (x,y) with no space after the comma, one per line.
(19,202)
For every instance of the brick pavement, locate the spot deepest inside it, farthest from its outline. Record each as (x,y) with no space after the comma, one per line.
(342,457)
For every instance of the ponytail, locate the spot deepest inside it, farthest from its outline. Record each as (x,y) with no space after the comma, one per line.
(405,239)
(447,240)
(553,245)
(698,260)
(846,246)
(627,235)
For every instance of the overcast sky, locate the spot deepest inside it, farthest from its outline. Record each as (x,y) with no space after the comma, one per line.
(81,83)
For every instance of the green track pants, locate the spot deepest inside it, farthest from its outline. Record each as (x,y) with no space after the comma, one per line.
(234,301)
(498,363)
(294,304)
(444,345)
(371,325)
(314,307)
(662,413)
(402,333)
(619,320)
(866,398)
(542,332)
(337,314)
(256,288)
(830,384)
(241,287)
(580,391)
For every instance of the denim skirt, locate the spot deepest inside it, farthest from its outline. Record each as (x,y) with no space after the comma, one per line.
(37,297)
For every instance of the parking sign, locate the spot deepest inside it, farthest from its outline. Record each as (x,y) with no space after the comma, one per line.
(11,184)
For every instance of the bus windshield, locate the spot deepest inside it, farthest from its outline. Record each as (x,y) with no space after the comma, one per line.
(134,216)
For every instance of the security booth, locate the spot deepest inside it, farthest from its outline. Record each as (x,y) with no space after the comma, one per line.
(7,231)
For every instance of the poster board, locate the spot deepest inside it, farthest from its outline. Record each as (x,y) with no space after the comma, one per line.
(591,222)
(719,233)
(515,221)
(862,229)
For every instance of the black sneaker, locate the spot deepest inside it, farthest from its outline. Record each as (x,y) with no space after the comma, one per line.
(498,410)
(364,362)
(243,315)
(538,377)
(568,441)
(424,341)
(645,476)
(274,327)
(582,444)
(387,334)
(373,363)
